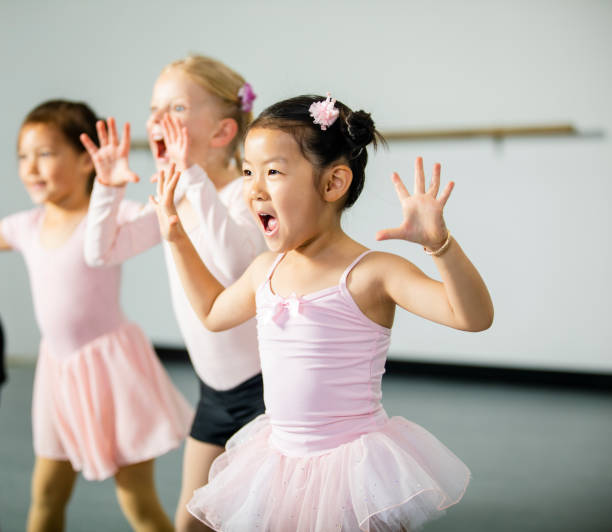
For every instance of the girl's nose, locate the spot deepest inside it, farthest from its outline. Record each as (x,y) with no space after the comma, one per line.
(157,114)
(30,165)
(258,189)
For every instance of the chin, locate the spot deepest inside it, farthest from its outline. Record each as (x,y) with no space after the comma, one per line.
(38,199)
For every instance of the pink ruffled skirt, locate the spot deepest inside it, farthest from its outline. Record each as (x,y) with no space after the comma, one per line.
(393,479)
(108,405)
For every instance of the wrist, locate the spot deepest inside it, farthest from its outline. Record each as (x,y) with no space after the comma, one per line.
(439,248)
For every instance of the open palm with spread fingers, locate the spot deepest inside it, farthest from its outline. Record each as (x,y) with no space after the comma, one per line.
(176,139)
(111,158)
(167,214)
(422,210)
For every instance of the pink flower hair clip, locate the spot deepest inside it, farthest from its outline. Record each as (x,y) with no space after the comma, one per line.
(246,95)
(324,113)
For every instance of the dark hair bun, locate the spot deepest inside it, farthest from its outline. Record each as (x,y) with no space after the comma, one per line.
(360,128)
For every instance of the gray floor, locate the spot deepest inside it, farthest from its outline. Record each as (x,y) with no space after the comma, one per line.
(541,458)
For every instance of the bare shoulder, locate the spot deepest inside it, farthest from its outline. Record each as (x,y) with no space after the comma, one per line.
(379,265)
(260,266)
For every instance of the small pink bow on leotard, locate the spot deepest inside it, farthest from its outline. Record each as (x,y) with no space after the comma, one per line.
(284,309)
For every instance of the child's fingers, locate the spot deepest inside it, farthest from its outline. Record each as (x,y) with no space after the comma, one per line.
(160,184)
(400,188)
(435,180)
(124,145)
(167,194)
(387,234)
(419,176)
(112,132)
(184,137)
(91,148)
(101,129)
(446,193)
(168,127)
(170,184)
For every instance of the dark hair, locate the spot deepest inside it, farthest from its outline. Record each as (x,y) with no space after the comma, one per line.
(71,119)
(345,140)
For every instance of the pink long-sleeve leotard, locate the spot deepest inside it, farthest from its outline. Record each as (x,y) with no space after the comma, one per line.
(101,398)
(226,239)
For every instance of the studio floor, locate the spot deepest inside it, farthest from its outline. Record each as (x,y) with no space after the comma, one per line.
(540,456)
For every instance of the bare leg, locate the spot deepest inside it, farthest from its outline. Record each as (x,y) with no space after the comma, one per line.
(52,483)
(138,499)
(197,459)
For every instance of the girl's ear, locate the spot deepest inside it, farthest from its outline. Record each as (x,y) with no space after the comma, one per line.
(336,182)
(85,162)
(226,131)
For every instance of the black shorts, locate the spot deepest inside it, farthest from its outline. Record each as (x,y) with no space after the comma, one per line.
(219,414)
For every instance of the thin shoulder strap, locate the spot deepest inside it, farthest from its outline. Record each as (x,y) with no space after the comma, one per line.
(352,265)
(278,258)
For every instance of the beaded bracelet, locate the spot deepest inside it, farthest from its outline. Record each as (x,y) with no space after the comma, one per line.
(441,249)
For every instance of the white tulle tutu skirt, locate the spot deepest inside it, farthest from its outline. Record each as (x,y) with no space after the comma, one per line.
(393,479)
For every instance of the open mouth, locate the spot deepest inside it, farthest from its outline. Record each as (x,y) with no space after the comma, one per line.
(160,145)
(160,148)
(269,223)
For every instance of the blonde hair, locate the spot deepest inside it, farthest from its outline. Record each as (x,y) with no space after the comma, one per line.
(221,81)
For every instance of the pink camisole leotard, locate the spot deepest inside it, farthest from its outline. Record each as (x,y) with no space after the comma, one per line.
(325,455)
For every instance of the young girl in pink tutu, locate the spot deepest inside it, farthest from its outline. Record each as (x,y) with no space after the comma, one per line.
(199,112)
(102,402)
(325,455)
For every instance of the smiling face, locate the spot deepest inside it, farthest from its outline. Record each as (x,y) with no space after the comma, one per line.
(51,170)
(280,187)
(176,93)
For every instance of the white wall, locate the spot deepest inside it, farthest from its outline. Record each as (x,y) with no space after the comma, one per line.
(532,213)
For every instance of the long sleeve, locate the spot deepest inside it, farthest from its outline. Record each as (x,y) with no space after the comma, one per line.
(229,232)
(117,229)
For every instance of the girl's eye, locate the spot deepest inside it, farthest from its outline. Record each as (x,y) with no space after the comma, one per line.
(179,108)
(246,172)
(273,172)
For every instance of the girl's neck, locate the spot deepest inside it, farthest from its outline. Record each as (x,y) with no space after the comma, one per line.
(325,243)
(220,171)
(66,210)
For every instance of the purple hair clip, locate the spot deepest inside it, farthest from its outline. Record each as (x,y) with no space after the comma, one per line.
(324,113)
(246,95)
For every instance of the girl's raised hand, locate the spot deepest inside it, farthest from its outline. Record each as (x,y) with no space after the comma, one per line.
(111,158)
(176,139)
(423,217)
(169,223)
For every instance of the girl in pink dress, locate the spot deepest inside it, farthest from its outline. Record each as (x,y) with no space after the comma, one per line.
(325,455)
(199,112)
(102,403)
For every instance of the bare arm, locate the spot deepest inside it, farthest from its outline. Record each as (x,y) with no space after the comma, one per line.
(218,308)
(461,300)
